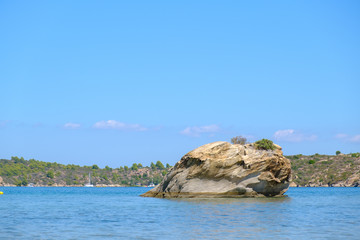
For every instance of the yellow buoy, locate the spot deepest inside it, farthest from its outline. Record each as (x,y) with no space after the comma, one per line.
(1,193)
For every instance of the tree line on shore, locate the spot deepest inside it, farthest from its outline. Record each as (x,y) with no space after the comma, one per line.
(312,170)
(20,172)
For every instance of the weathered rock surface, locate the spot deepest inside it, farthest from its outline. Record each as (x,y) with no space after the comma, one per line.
(221,169)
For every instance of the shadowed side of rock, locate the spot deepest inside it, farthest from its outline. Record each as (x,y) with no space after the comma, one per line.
(221,169)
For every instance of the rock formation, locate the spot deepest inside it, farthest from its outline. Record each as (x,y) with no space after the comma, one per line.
(221,169)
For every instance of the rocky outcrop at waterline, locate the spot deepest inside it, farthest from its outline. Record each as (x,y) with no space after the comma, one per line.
(221,169)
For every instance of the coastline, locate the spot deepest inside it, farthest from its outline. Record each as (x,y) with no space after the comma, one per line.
(95,186)
(339,184)
(123,186)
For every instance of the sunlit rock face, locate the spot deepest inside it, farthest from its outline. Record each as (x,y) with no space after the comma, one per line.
(221,169)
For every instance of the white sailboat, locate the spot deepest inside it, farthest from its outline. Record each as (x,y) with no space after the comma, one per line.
(151,184)
(89,183)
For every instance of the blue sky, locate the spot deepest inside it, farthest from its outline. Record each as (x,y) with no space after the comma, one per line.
(117,82)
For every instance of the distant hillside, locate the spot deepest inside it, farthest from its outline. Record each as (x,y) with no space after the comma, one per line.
(307,171)
(326,170)
(21,172)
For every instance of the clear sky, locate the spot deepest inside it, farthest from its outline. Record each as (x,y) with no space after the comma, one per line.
(117,82)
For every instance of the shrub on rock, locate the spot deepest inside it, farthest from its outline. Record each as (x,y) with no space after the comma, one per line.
(264,144)
(239,140)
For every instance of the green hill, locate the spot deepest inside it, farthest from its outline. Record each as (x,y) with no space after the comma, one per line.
(314,170)
(21,172)
(326,170)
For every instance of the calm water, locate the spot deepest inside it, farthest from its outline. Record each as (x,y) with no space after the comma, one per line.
(119,213)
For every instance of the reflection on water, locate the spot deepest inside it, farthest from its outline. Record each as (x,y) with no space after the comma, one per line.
(234,217)
(202,201)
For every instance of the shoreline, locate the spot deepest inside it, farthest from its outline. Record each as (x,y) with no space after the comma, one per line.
(119,186)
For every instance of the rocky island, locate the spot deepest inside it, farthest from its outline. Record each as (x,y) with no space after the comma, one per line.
(222,169)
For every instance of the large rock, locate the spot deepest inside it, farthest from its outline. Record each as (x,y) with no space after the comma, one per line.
(221,169)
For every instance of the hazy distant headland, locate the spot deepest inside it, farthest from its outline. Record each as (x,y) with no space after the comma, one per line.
(341,170)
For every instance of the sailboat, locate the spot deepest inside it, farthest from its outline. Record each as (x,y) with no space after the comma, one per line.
(89,183)
(151,184)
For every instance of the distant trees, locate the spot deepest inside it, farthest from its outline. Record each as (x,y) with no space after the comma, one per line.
(152,165)
(24,182)
(21,182)
(157,179)
(134,167)
(105,177)
(18,160)
(337,152)
(20,172)
(50,174)
(18,183)
(159,165)
(115,177)
(69,166)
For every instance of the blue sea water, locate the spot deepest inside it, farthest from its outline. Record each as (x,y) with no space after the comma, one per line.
(119,213)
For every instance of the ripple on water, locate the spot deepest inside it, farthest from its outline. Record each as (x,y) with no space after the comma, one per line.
(108,213)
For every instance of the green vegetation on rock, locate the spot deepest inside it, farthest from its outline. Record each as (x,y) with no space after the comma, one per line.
(264,144)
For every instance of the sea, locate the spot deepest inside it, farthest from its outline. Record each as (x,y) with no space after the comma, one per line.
(120,213)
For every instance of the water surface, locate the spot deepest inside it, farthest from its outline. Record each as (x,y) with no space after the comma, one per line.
(119,213)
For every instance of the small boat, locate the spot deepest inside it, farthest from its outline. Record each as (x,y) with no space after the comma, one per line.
(151,185)
(89,183)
